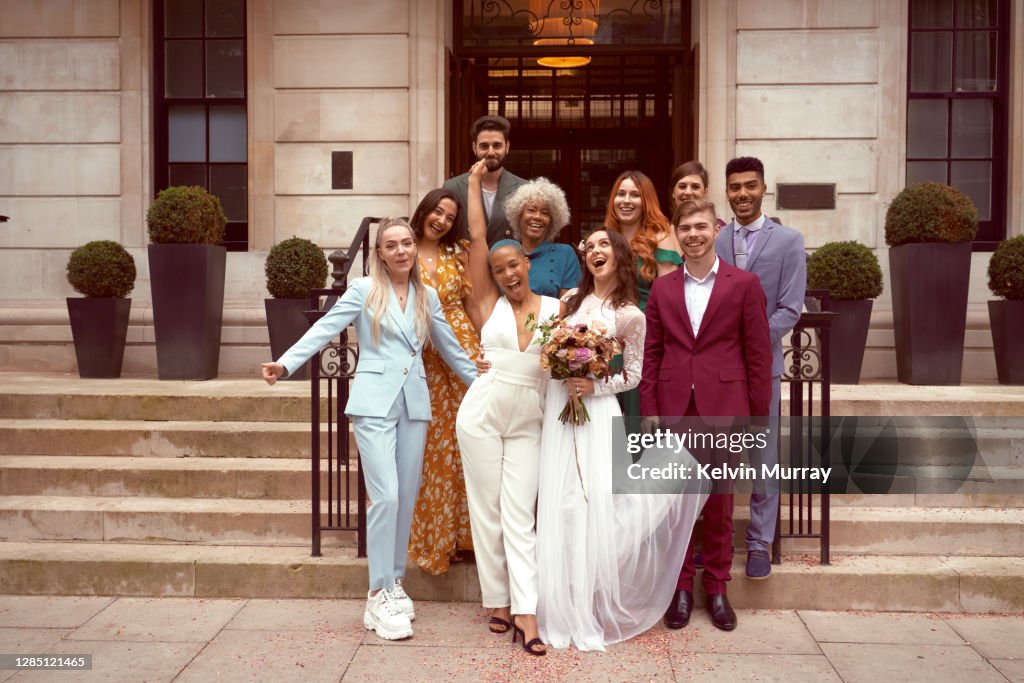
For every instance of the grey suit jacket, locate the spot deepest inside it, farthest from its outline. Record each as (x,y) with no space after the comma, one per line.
(498,227)
(396,364)
(779,261)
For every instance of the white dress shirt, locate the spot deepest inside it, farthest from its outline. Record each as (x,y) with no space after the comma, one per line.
(698,293)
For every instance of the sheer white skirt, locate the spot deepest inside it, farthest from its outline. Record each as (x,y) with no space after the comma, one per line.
(607,564)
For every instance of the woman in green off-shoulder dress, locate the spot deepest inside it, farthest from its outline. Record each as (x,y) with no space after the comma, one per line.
(633,210)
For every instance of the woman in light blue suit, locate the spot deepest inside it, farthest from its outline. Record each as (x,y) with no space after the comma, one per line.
(394,314)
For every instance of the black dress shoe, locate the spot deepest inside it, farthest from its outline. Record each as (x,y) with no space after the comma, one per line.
(721,612)
(678,613)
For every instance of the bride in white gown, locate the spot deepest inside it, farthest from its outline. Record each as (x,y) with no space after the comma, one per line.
(607,563)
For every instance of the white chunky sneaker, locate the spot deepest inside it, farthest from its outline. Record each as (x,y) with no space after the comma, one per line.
(403,600)
(384,616)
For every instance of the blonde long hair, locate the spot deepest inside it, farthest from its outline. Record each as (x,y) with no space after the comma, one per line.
(380,283)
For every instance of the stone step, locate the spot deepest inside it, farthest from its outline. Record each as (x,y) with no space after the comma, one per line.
(997,448)
(874,531)
(288,478)
(171,439)
(230,399)
(902,531)
(287,403)
(851,582)
(96,475)
(993,532)
(135,519)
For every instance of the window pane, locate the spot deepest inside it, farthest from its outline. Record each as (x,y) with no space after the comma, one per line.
(976,61)
(931,13)
(183,18)
(227,134)
(974,179)
(183,70)
(972,128)
(186,174)
(186,139)
(229,183)
(927,128)
(225,18)
(931,60)
(225,71)
(920,171)
(976,13)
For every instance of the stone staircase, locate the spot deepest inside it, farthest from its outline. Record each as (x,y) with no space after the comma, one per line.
(140,487)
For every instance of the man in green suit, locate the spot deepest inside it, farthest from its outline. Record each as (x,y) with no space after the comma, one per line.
(490,145)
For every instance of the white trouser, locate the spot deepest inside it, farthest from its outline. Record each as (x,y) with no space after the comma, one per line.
(499,425)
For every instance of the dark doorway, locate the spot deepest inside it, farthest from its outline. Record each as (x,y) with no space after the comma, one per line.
(630,107)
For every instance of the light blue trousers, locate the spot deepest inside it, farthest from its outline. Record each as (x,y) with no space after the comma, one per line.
(764,506)
(391,456)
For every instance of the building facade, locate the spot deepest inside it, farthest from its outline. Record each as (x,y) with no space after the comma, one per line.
(306,115)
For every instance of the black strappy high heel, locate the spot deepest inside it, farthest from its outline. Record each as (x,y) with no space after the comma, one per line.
(502,626)
(532,646)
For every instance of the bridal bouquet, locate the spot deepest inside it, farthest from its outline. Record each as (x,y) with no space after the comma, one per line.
(576,350)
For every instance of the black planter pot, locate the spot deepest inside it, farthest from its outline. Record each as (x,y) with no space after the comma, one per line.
(929,307)
(187,283)
(847,338)
(286,324)
(99,326)
(1007,321)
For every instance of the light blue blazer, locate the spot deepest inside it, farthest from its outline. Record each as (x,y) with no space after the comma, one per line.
(778,260)
(396,364)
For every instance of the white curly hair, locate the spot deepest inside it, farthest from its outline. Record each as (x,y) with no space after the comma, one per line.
(542,191)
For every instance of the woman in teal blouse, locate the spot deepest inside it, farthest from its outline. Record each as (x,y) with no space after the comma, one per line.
(537,212)
(633,211)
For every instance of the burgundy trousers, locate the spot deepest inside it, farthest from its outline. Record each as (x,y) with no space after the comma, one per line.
(716,540)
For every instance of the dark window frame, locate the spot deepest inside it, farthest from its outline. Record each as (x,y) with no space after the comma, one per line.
(992,231)
(236,237)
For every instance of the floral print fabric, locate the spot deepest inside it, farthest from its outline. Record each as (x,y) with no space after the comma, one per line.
(440,525)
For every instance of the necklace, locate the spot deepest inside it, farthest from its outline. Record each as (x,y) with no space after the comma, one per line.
(517,311)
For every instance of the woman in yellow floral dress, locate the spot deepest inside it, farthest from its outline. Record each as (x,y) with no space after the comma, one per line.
(440,525)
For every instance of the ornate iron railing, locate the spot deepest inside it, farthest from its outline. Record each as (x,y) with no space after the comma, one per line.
(331,370)
(806,371)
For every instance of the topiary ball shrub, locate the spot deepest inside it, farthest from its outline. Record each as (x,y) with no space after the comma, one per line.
(848,270)
(930,212)
(294,267)
(1006,269)
(186,215)
(102,269)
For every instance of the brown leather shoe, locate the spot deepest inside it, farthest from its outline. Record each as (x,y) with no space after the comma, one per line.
(678,613)
(722,615)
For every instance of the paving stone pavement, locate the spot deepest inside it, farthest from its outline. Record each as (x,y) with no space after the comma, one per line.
(185,639)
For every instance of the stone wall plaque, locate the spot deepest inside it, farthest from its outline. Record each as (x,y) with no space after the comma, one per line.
(341,170)
(805,196)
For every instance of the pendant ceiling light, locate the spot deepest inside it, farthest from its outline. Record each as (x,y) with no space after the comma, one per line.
(565,22)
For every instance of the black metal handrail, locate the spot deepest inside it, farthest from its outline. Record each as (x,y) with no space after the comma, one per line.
(806,368)
(332,369)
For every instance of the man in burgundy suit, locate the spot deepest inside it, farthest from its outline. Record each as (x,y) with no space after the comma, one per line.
(707,330)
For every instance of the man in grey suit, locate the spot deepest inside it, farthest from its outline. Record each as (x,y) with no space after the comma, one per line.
(490,145)
(774,253)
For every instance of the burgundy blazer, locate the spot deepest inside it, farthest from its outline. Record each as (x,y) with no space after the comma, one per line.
(729,362)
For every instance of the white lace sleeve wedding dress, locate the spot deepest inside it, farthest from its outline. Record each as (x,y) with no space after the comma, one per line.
(607,563)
